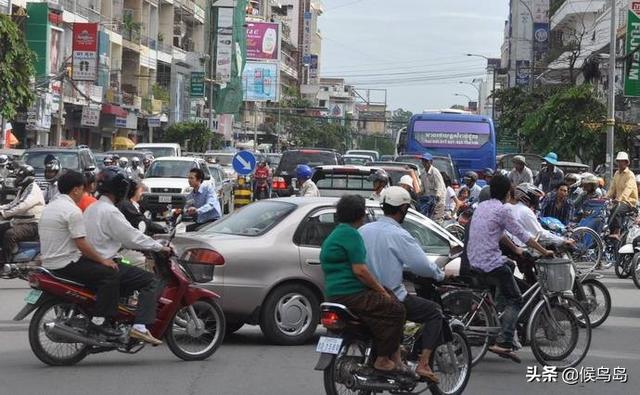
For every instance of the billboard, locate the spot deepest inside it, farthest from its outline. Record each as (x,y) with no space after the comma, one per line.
(197,84)
(306,38)
(260,81)
(85,51)
(224,45)
(263,41)
(541,39)
(632,67)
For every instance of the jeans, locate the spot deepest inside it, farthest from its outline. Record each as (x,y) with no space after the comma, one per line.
(509,296)
(427,312)
(615,222)
(109,284)
(12,235)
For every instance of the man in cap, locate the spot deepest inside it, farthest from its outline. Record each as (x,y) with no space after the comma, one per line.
(623,191)
(434,186)
(520,174)
(550,176)
(470,179)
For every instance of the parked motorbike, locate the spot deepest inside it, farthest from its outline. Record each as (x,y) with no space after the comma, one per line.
(188,317)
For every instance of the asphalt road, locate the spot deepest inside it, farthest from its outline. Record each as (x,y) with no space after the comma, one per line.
(247,364)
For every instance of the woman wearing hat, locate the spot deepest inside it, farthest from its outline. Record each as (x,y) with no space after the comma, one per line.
(520,174)
(550,175)
(624,191)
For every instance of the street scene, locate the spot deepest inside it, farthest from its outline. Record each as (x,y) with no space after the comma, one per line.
(319,197)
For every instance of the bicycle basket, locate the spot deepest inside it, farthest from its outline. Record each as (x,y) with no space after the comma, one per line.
(556,275)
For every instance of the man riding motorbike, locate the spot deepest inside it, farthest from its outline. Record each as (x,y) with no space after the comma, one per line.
(380,181)
(51,174)
(22,214)
(109,231)
(107,161)
(390,250)
(136,169)
(261,177)
(307,187)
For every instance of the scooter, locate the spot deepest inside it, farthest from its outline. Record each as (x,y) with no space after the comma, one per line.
(629,254)
(188,317)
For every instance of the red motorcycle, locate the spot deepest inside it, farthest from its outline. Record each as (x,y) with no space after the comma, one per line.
(261,178)
(188,317)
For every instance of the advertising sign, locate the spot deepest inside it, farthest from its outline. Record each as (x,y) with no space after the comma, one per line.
(522,72)
(306,38)
(541,36)
(154,122)
(540,10)
(90,116)
(85,51)
(197,84)
(263,41)
(260,81)
(121,122)
(224,45)
(313,69)
(632,68)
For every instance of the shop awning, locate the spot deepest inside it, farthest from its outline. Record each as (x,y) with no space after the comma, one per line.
(111,109)
(121,142)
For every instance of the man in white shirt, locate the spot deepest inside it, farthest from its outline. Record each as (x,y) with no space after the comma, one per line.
(307,187)
(434,186)
(108,230)
(66,252)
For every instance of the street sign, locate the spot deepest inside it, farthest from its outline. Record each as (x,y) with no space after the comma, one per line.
(244,162)
(154,122)
(632,68)
(197,84)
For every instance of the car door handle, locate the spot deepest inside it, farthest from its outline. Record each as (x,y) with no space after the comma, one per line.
(312,262)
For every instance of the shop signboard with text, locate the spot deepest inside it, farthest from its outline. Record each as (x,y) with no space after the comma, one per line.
(85,51)
(632,68)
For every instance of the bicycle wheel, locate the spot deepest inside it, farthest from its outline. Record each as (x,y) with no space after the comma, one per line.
(623,265)
(635,271)
(467,307)
(589,248)
(556,336)
(597,303)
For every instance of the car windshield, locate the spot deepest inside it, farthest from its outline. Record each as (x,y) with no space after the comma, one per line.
(170,169)
(159,152)
(350,160)
(356,182)
(68,160)
(253,220)
(291,159)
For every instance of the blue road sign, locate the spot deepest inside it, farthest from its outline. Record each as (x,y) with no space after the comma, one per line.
(244,162)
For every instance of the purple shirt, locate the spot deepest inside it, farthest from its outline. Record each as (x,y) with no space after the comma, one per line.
(488,224)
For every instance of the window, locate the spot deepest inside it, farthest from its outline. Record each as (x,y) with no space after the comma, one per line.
(315,228)
(323,103)
(431,242)
(253,220)
(171,169)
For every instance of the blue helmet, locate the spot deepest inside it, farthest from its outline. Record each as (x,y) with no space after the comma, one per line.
(427,156)
(303,172)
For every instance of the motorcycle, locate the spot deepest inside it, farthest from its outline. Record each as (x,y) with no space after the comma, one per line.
(347,356)
(261,190)
(188,317)
(630,254)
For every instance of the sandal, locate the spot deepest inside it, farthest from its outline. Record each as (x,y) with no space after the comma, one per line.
(428,376)
(505,353)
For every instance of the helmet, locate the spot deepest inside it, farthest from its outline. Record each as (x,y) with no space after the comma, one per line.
(124,162)
(406,180)
(488,172)
(107,161)
(379,175)
(135,161)
(115,157)
(113,180)
(589,179)
(25,175)
(528,194)
(4,160)
(571,178)
(470,175)
(395,196)
(51,169)
(303,172)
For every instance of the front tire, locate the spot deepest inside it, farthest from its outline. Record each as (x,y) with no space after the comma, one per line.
(623,265)
(206,335)
(598,301)
(635,271)
(290,315)
(59,354)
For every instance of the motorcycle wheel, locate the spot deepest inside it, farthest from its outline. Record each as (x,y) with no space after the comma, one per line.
(453,376)
(635,271)
(598,302)
(623,265)
(338,376)
(44,346)
(190,343)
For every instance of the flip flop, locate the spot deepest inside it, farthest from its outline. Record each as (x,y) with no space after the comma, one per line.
(430,377)
(506,354)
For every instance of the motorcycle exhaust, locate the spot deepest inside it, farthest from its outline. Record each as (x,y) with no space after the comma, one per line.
(69,335)
(369,384)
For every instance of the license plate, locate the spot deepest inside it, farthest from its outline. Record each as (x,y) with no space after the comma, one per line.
(33,296)
(329,345)
(164,199)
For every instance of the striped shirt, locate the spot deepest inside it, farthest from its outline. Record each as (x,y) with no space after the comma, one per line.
(564,213)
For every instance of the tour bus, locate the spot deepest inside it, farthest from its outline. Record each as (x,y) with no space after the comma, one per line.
(469,139)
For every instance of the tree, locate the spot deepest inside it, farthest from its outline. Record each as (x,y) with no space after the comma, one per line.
(197,134)
(16,69)
(400,118)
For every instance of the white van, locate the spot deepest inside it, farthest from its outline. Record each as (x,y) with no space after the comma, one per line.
(160,150)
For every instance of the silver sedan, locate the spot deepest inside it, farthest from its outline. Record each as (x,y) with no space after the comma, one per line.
(271,274)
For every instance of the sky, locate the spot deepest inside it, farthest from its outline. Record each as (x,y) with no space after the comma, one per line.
(413,48)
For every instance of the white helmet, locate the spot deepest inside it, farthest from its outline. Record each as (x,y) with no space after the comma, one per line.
(588,178)
(406,180)
(395,196)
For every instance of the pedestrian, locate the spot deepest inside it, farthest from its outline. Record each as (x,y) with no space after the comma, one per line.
(557,204)
(434,187)
(202,201)
(623,191)
(520,173)
(550,175)
(307,187)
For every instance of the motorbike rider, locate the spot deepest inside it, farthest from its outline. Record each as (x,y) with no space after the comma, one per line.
(130,207)
(136,170)
(20,216)
(380,181)
(88,197)
(109,231)
(261,176)
(486,231)
(4,167)
(107,161)
(390,250)
(624,192)
(307,187)
(146,162)
(470,179)
(528,198)
(51,173)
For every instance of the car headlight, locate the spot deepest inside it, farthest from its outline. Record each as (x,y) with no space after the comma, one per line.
(187,190)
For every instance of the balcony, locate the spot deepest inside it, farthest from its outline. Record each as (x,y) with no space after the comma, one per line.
(569,11)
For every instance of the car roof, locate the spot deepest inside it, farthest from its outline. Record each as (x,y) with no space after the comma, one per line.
(356,156)
(389,164)
(56,149)
(178,158)
(363,169)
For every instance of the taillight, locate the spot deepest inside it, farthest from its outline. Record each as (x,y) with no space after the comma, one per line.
(279,183)
(202,256)
(331,320)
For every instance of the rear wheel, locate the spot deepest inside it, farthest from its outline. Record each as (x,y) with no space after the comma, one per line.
(196,336)
(588,251)
(44,345)
(338,379)
(597,303)
(290,315)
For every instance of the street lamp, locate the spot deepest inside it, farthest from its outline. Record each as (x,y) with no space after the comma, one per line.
(466,96)
(493,89)
(473,85)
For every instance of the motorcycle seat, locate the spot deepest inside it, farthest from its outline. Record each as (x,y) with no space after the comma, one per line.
(59,278)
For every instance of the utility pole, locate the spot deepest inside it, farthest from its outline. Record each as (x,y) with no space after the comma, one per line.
(611,110)
(212,60)
(533,41)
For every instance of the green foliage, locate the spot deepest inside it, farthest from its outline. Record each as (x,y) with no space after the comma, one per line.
(400,118)
(16,69)
(197,133)
(160,93)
